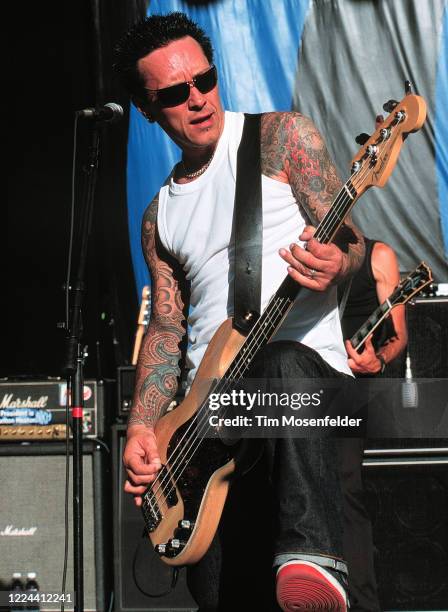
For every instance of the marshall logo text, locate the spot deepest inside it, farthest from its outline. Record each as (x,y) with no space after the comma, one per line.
(10,530)
(9,401)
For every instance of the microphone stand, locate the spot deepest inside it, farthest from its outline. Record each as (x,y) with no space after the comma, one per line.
(73,368)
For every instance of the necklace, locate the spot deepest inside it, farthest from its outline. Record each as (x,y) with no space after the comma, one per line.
(202,169)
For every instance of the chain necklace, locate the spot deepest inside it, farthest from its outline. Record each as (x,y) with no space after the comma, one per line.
(192,175)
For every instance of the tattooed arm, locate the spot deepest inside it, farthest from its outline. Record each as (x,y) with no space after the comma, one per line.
(292,151)
(158,362)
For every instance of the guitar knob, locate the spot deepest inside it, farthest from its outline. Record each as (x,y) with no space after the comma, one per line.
(175,544)
(160,549)
(185,524)
(389,105)
(362,138)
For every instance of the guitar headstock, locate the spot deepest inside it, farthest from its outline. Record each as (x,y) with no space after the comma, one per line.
(412,284)
(142,322)
(374,162)
(145,307)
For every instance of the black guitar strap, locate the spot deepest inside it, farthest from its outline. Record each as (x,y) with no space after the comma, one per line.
(248,226)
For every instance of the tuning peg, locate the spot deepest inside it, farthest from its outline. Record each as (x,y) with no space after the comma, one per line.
(389,105)
(407,87)
(362,138)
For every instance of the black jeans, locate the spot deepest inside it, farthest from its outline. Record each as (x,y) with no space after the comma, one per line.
(290,502)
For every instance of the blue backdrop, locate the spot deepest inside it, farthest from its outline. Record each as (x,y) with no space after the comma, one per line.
(326,58)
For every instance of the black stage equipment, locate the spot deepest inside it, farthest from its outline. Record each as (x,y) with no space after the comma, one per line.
(406,479)
(125,390)
(427,321)
(407,498)
(32,484)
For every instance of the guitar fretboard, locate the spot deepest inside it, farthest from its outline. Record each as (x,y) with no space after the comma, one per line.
(371,324)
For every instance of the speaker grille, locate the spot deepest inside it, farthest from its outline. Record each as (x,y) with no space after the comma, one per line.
(428,337)
(32,485)
(409,511)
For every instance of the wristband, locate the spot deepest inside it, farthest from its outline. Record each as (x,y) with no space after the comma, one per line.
(382,361)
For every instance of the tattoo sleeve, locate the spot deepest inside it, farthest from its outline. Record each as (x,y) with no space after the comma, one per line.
(158,363)
(293,151)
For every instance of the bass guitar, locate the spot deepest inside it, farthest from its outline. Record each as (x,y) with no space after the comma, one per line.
(183,506)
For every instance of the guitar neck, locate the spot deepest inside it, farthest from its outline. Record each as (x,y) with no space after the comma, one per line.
(343,203)
(367,328)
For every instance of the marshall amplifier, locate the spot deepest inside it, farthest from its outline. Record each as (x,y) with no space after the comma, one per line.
(32,531)
(35,409)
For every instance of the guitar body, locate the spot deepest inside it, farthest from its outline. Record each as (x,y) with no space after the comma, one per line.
(202,488)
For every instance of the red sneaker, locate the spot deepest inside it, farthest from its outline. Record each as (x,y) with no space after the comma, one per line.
(302,585)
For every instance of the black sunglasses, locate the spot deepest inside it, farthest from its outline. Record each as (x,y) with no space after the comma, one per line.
(178,94)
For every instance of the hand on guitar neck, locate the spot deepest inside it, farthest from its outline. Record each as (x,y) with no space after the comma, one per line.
(318,265)
(366,362)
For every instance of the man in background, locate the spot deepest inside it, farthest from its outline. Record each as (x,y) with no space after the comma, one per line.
(374,282)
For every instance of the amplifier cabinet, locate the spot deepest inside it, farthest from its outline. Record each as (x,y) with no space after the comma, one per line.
(407,499)
(32,490)
(427,320)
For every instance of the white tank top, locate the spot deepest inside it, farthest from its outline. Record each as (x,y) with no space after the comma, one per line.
(195,222)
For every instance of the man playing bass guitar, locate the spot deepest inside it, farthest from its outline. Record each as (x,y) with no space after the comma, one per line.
(167,64)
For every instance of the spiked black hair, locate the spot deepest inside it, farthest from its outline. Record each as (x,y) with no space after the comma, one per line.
(148,35)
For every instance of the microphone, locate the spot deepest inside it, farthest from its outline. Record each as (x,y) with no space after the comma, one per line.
(108,112)
(409,389)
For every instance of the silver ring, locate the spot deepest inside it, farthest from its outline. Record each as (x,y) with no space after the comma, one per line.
(312,273)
